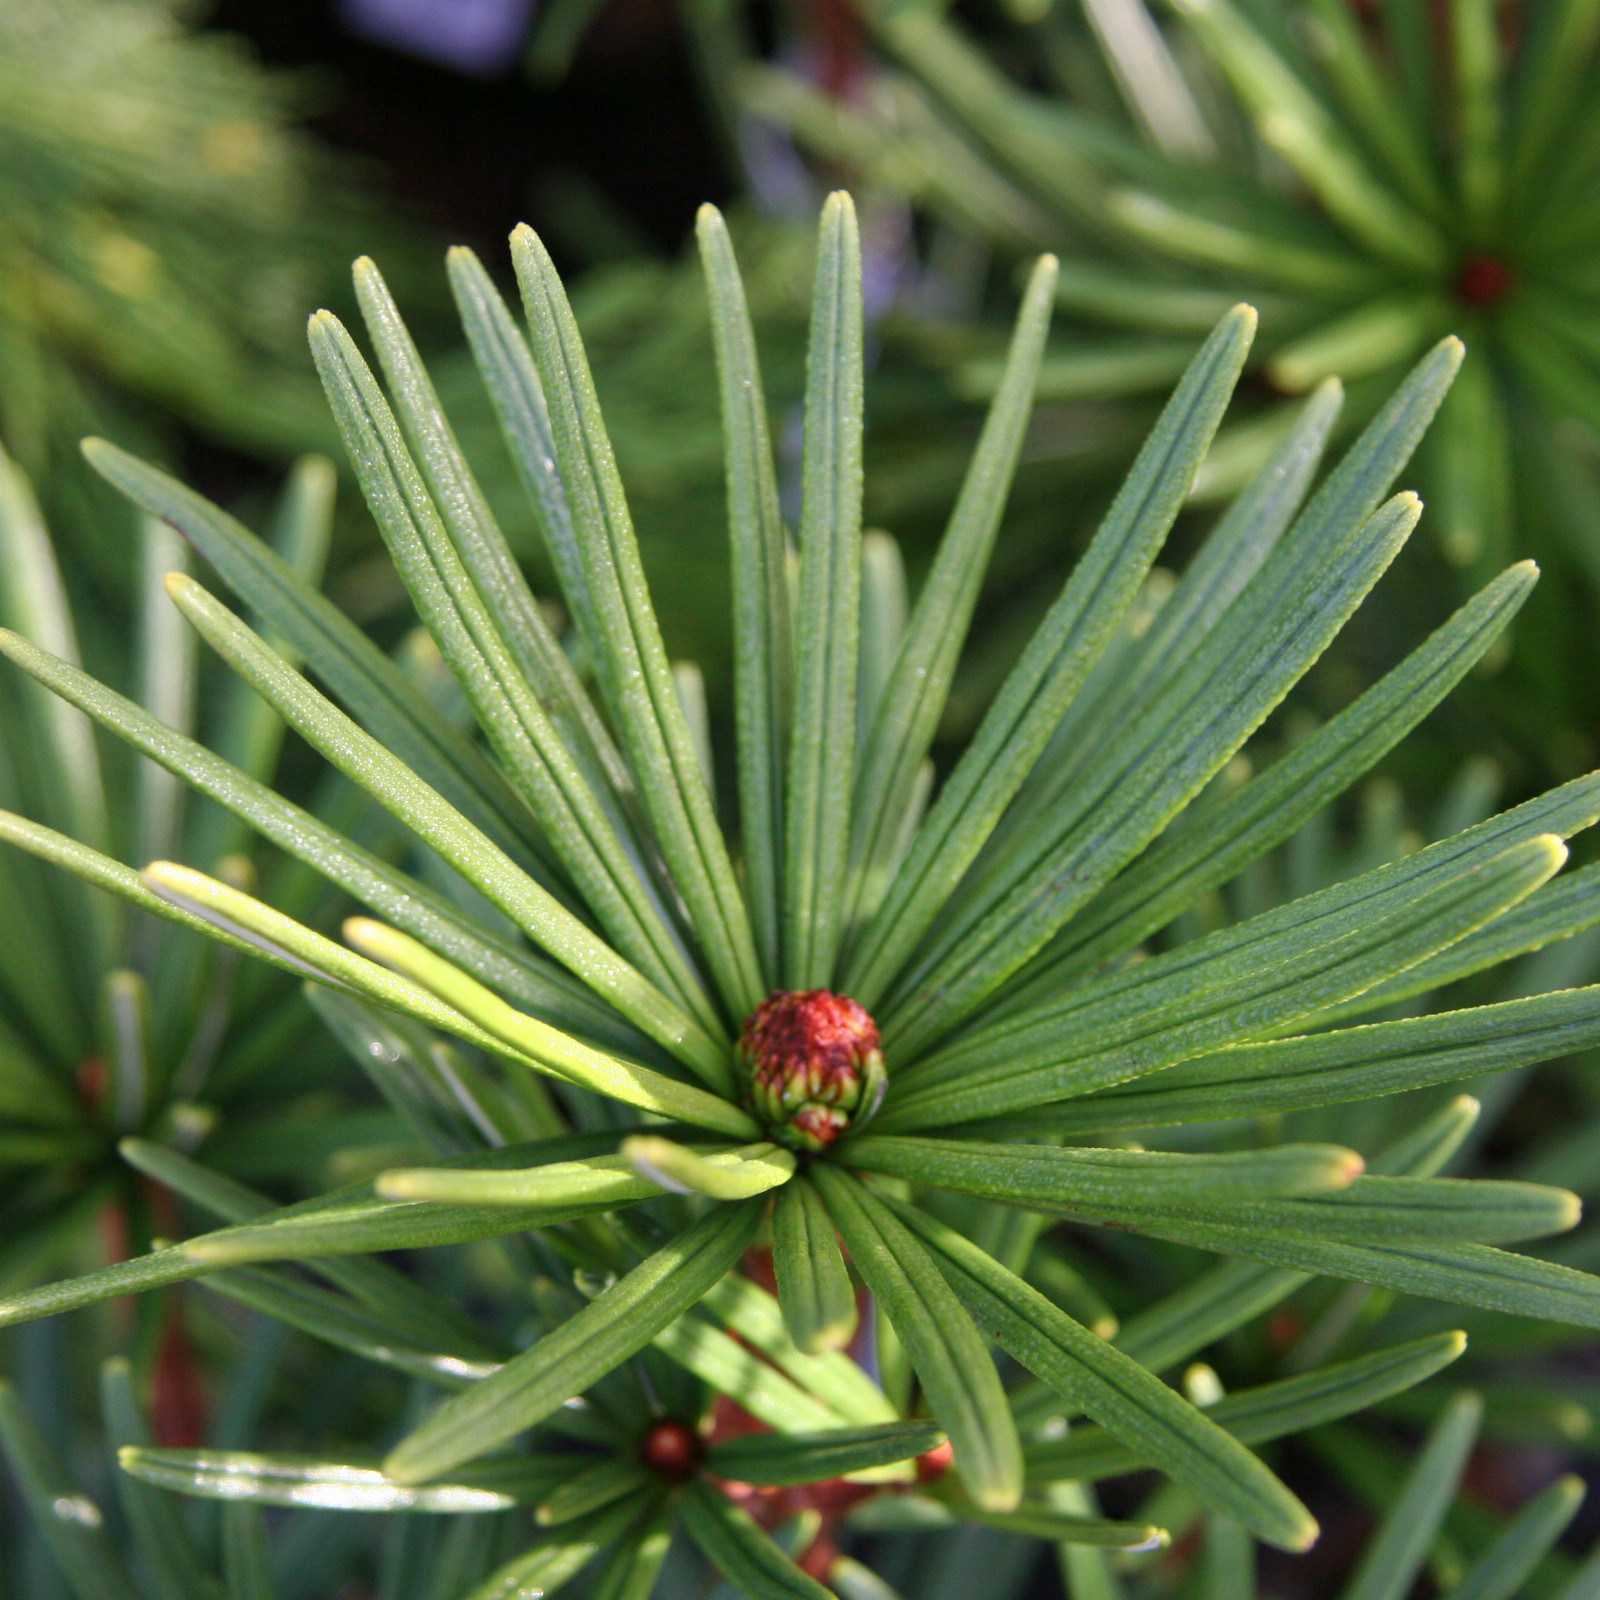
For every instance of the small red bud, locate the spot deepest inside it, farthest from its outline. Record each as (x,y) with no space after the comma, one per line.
(815,1066)
(935,1463)
(1284,1329)
(1484,280)
(93,1075)
(672,1450)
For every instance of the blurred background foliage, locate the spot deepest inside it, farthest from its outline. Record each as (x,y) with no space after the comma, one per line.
(179,187)
(1366,176)
(167,220)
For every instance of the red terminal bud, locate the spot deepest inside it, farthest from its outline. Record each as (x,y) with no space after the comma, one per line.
(93,1076)
(1484,280)
(672,1450)
(815,1064)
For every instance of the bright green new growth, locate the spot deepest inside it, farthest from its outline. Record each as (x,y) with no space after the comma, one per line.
(981,937)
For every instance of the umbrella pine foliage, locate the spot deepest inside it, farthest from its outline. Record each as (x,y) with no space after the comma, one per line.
(869,985)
